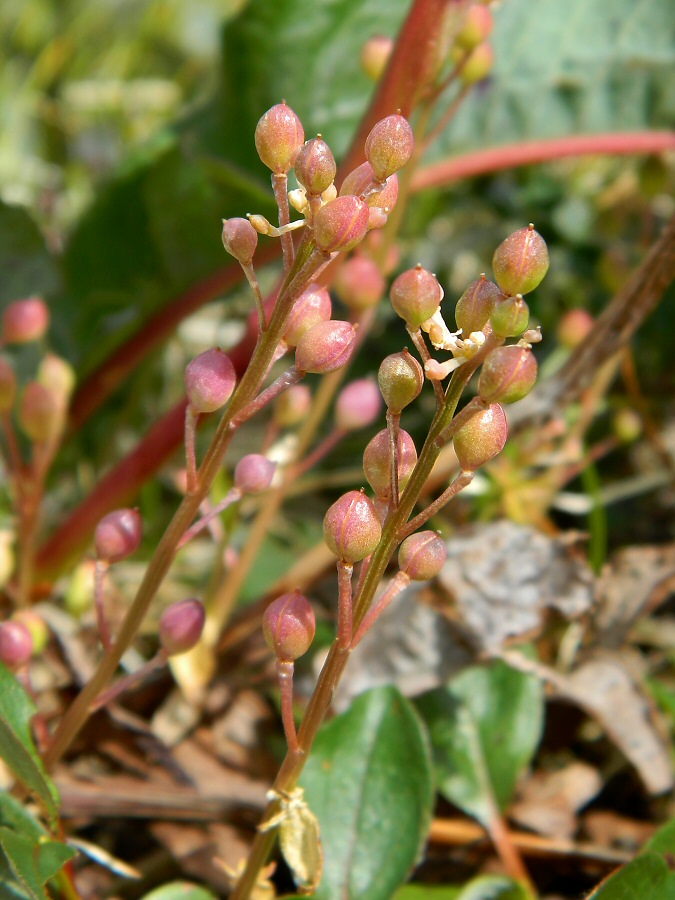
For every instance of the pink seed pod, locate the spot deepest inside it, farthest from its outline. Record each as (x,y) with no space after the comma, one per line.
(341,224)
(358,405)
(240,239)
(118,535)
(508,374)
(37,628)
(312,306)
(7,385)
(416,295)
(475,306)
(376,461)
(389,146)
(351,527)
(325,347)
(25,320)
(478,66)
(279,135)
(315,166)
(292,406)
(422,555)
(16,645)
(510,317)
(476,27)
(289,626)
(573,329)
(400,378)
(41,413)
(254,473)
(362,179)
(482,438)
(209,380)
(181,626)
(375,55)
(359,283)
(520,262)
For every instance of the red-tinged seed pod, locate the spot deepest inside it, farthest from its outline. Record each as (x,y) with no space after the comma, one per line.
(359,283)
(279,135)
(181,626)
(482,438)
(510,317)
(315,166)
(37,628)
(240,239)
(520,262)
(475,28)
(358,405)
(475,306)
(362,179)
(416,295)
(375,55)
(422,555)
(312,306)
(25,320)
(7,385)
(389,146)
(41,413)
(254,473)
(292,406)
(508,374)
(573,328)
(210,380)
(351,527)
(377,218)
(376,461)
(16,645)
(289,626)
(325,347)
(400,377)
(118,535)
(478,66)
(341,224)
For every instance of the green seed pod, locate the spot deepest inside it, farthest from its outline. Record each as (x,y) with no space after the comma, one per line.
(475,305)
(520,262)
(351,527)
(482,438)
(422,555)
(510,317)
(416,295)
(508,374)
(289,626)
(400,378)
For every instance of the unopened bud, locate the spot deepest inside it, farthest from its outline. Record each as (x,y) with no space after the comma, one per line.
(209,380)
(351,527)
(325,347)
(341,224)
(240,239)
(510,317)
(508,374)
(25,320)
(41,413)
(482,438)
(478,66)
(118,535)
(79,594)
(359,283)
(292,406)
(16,645)
(289,626)
(376,466)
(375,55)
(362,181)
(357,405)
(389,146)
(181,626)
(520,262)
(279,135)
(7,385)
(416,295)
(400,377)
(475,28)
(37,627)
(315,166)
(253,473)
(58,375)
(475,306)
(422,555)
(574,327)
(312,306)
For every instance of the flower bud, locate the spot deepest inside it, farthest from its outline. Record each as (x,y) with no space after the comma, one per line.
(341,224)
(209,380)
(312,306)
(279,135)
(482,438)
(16,645)
(359,283)
(79,594)
(289,626)
(7,385)
(415,296)
(240,239)
(376,461)
(389,146)
(362,180)
(422,555)
(315,166)
(41,414)
(351,527)
(478,66)
(400,378)
(25,320)
(325,347)
(118,535)
(357,405)
(292,406)
(475,305)
(574,327)
(181,626)
(475,28)
(58,375)
(253,473)
(37,628)
(520,262)
(510,317)
(375,55)
(508,374)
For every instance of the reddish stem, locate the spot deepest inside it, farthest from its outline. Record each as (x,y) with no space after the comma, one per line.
(285,670)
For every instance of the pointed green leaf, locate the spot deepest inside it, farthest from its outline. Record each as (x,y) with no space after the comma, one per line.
(33,863)
(368,780)
(663,841)
(647,876)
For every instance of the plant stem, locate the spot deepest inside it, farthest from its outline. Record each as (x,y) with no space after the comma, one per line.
(461,481)
(345,572)
(285,670)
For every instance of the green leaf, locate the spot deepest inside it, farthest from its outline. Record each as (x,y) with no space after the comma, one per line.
(647,876)
(179,890)
(15,815)
(26,265)
(33,864)
(486,887)
(426,892)
(18,749)
(485,727)
(663,841)
(368,780)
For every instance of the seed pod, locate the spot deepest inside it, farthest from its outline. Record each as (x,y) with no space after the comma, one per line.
(375,55)
(359,283)
(16,645)
(7,385)
(118,535)
(478,66)
(475,305)
(416,295)
(58,375)
(376,461)
(475,28)
(315,166)
(358,405)
(209,380)
(389,146)
(362,179)
(520,262)
(254,473)
(312,306)
(574,327)
(325,347)
(351,527)
(482,438)
(41,413)
(279,135)
(510,317)
(25,320)
(400,378)
(289,626)
(37,628)
(508,374)
(422,555)
(292,406)
(240,239)
(341,224)
(181,626)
